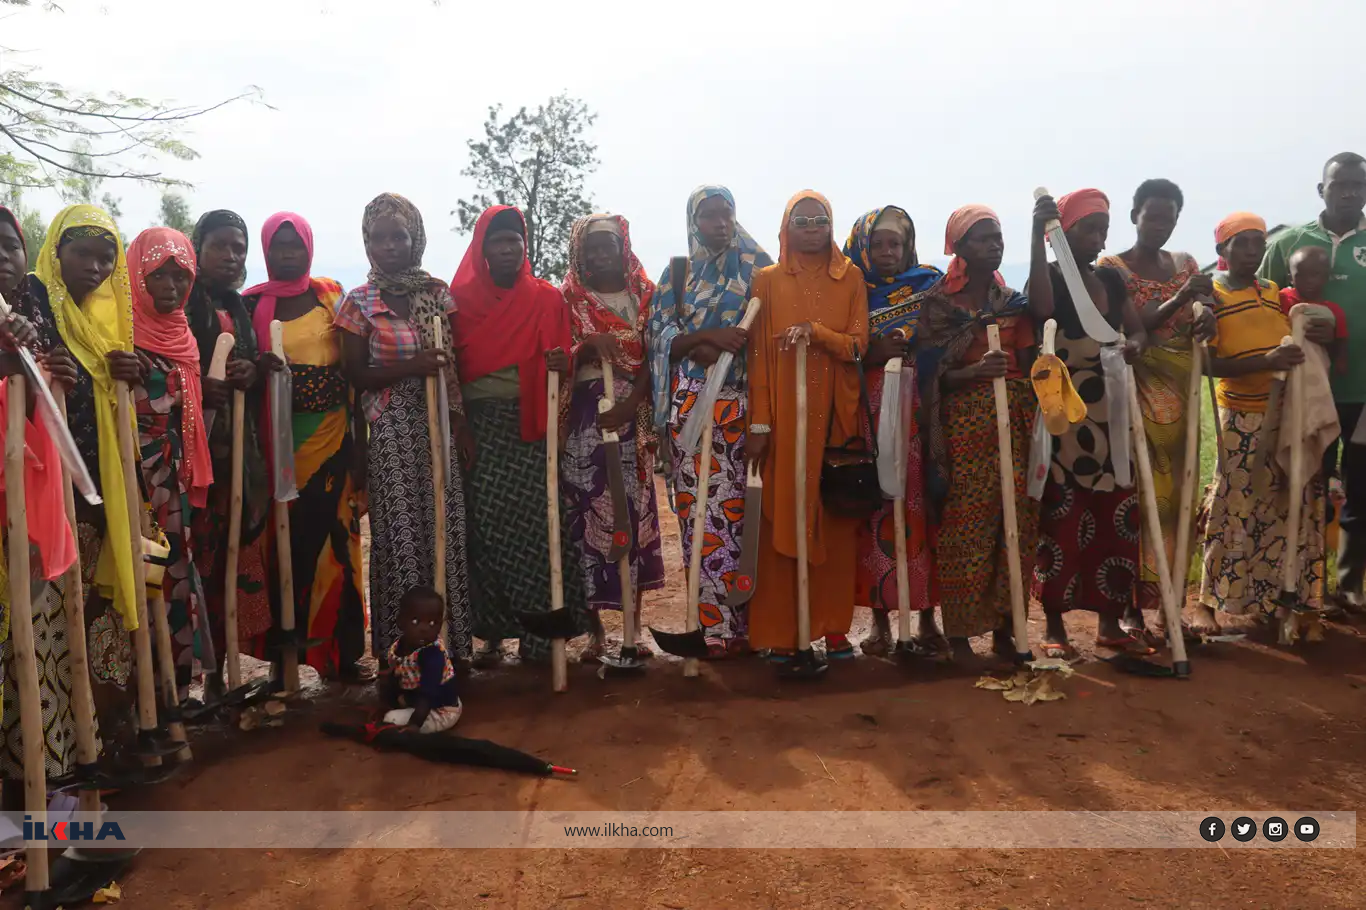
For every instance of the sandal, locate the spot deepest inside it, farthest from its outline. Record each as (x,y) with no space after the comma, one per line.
(839,647)
(489,655)
(780,656)
(1053,650)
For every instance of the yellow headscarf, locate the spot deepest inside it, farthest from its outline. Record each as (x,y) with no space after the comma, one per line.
(102,323)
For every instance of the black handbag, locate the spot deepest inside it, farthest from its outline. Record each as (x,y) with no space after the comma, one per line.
(849,481)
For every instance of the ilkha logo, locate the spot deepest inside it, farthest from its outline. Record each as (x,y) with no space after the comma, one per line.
(71,831)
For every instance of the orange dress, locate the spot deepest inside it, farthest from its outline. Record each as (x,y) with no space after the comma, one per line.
(829,293)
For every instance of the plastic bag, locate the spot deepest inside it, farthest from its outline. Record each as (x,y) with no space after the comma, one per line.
(893,426)
(1117,379)
(1040,456)
(282,436)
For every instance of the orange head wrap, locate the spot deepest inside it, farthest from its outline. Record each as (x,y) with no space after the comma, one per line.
(960,222)
(1234,225)
(1077,205)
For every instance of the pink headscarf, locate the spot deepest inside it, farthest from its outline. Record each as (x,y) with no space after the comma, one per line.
(274,289)
(960,222)
(1077,205)
(169,335)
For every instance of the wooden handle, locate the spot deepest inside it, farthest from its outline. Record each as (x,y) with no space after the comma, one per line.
(73,602)
(1039,193)
(233,656)
(277,338)
(1152,524)
(142,640)
(1050,337)
(222,349)
(799,506)
(1006,461)
(1190,467)
(559,658)
(1293,408)
(21,629)
(751,313)
(693,619)
(437,447)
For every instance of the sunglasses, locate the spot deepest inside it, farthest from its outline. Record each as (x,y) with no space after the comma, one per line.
(801,221)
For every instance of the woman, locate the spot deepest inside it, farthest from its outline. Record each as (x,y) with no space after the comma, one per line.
(689,329)
(54,541)
(815,295)
(388,351)
(220,244)
(956,370)
(324,522)
(882,245)
(1162,287)
(608,295)
(1089,530)
(505,324)
(79,297)
(176,468)
(1246,536)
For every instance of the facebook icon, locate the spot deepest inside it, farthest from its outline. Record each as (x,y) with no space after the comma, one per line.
(1212,829)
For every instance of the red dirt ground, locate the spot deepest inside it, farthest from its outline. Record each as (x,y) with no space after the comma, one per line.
(1257,727)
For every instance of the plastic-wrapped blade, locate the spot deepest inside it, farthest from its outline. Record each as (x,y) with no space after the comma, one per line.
(892,428)
(282,436)
(1117,378)
(691,437)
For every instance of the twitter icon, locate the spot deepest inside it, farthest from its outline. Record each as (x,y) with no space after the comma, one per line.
(1244,829)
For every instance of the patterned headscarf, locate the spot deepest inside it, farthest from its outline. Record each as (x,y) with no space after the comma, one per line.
(893,300)
(413,279)
(91,329)
(716,295)
(169,335)
(588,315)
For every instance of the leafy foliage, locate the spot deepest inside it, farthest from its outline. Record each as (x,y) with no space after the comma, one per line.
(175,213)
(31,221)
(55,137)
(538,162)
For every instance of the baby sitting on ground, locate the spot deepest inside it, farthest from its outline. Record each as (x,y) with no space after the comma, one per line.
(418,689)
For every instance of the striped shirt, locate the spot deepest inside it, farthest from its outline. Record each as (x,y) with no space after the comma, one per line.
(1250,323)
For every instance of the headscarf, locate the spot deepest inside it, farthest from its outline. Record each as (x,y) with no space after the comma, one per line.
(960,222)
(716,295)
(272,290)
(428,297)
(792,261)
(169,335)
(201,312)
(91,330)
(496,327)
(588,315)
(893,300)
(413,279)
(10,218)
(1232,226)
(1079,204)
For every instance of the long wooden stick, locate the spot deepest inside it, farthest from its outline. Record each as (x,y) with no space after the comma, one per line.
(559,657)
(629,619)
(284,549)
(1171,610)
(1190,469)
(21,633)
(1005,451)
(438,453)
(142,638)
(799,506)
(73,600)
(230,633)
(693,620)
(892,373)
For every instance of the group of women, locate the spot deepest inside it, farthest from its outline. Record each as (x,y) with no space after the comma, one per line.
(360,361)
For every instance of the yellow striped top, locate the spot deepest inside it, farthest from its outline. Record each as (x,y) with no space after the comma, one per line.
(1250,323)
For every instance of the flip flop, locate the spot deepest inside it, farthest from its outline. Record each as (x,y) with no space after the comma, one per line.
(1053,650)
(1058,398)
(839,647)
(1128,644)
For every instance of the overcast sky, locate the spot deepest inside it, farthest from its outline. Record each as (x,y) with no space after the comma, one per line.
(924,105)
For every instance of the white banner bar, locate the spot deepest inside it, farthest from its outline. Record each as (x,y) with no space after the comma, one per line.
(672,830)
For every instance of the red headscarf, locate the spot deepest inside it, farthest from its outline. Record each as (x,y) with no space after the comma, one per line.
(169,335)
(960,222)
(493,328)
(13,220)
(1077,205)
(587,315)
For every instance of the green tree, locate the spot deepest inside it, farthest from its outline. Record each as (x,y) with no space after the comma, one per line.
(31,221)
(538,162)
(175,212)
(54,137)
(82,183)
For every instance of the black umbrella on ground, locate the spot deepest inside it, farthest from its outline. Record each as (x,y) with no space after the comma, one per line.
(440,747)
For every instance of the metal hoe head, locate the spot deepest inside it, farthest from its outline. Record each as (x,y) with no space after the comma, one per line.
(681,644)
(804,665)
(626,663)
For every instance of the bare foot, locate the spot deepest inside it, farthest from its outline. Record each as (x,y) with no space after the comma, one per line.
(928,635)
(1204,622)
(880,642)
